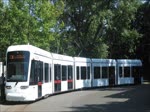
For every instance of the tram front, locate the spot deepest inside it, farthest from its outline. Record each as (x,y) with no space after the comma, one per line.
(17,85)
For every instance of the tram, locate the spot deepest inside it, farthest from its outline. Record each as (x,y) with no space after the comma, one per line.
(33,73)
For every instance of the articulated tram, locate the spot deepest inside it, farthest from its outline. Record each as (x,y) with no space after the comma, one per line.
(33,73)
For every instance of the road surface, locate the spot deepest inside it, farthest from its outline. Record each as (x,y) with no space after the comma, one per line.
(118,99)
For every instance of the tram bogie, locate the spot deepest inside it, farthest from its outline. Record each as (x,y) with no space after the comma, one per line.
(33,73)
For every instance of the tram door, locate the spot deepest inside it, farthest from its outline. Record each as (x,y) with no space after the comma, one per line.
(70,77)
(136,71)
(40,78)
(57,76)
(36,75)
(111,76)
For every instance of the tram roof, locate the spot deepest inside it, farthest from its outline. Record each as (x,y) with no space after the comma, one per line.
(19,48)
(95,60)
(133,62)
(29,48)
(62,57)
(82,59)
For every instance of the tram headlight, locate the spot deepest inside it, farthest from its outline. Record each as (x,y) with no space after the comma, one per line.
(8,87)
(24,87)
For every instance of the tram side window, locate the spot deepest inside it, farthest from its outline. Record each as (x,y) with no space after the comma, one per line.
(40,70)
(50,77)
(83,72)
(120,71)
(77,72)
(104,72)
(64,72)
(57,72)
(36,71)
(33,73)
(96,72)
(46,72)
(70,70)
(88,72)
(126,71)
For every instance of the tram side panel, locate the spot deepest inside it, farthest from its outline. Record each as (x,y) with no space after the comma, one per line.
(128,71)
(99,78)
(124,75)
(63,67)
(82,73)
(41,76)
(104,72)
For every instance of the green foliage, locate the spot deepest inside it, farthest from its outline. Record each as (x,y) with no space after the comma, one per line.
(101,29)
(85,27)
(120,34)
(28,21)
(142,24)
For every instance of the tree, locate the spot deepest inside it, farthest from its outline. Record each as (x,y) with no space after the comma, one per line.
(85,28)
(46,14)
(142,24)
(121,36)
(28,21)
(101,28)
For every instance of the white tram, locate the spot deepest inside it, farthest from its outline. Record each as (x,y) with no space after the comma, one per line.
(33,73)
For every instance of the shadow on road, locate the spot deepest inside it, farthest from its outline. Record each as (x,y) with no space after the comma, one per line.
(138,101)
(14,103)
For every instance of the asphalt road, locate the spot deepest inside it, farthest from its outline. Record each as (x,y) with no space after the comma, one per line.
(118,99)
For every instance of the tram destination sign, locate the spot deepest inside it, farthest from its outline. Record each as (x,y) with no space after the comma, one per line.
(18,56)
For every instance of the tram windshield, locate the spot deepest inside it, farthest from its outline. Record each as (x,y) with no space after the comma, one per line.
(17,66)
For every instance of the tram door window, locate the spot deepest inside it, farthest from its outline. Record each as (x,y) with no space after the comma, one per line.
(57,77)
(111,71)
(40,71)
(78,72)
(64,73)
(104,72)
(40,75)
(96,72)
(46,67)
(70,72)
(120,71)
(126,71)
(50,73)
(83,73)
(111,76)
(88,72)
(70,77)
